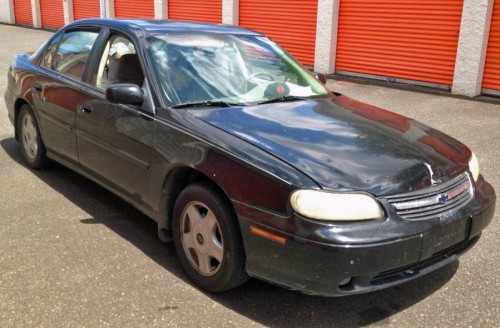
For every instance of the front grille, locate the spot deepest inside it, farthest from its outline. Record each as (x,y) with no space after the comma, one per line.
(433,201)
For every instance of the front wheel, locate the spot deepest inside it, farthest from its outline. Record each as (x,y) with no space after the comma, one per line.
(207,239)
(32,146)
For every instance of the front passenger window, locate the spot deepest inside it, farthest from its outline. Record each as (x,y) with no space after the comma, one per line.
(119,64)
(73,52)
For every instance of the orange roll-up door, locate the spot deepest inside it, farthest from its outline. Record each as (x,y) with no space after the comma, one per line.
(134,9)
(291,23)
(196,10)
(86,9)
(491,77)
(412,40)
(22,12)
(52,13)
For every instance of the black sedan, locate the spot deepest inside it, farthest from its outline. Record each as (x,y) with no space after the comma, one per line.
(244,159)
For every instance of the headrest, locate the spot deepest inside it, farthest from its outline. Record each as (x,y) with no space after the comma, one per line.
(129,68)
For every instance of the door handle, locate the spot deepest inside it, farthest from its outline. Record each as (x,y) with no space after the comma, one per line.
(37,87)
(85,109)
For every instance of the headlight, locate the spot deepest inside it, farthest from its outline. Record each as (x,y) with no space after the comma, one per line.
(329,206)
(474,167)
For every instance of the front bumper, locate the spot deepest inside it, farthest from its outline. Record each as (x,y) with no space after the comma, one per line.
(311,265)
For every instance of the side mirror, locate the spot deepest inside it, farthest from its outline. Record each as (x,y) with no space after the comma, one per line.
(320,77)
(125,93)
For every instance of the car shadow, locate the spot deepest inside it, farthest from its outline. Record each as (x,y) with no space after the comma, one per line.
(257,300)
(277,307)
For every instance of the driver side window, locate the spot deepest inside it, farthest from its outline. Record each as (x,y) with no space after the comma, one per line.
(119,64)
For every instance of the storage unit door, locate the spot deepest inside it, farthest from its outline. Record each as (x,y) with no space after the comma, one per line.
(52,13)
(290,23)
(491,77)
(86,9)
(411,40)
(134,9)
(196,10)
(22,12)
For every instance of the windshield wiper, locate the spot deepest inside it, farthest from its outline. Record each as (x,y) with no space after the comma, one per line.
(282,99)
(209,103)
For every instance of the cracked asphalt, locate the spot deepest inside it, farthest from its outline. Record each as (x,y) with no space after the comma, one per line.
(74,255)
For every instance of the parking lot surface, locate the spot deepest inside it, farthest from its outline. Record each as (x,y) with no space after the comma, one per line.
(74,255)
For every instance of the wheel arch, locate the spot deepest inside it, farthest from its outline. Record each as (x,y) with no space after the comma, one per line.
(176,180)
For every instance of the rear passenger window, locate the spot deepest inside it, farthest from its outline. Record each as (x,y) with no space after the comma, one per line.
(73,52)
(49,52)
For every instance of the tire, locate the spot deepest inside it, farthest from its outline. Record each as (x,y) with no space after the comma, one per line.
(32,146)
(208,240)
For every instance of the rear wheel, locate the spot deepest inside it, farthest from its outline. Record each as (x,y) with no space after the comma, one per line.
(207,239)
(32,146)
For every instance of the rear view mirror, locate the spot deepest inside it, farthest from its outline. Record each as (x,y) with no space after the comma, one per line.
(320,77)
(125,93)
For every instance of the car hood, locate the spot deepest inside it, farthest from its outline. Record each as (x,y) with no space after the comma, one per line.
(343,144)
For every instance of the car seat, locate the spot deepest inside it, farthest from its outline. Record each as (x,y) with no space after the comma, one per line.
(126,69)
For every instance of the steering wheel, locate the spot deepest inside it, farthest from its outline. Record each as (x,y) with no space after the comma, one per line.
(269,77)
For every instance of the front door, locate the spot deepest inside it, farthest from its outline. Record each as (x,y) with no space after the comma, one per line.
(114,140)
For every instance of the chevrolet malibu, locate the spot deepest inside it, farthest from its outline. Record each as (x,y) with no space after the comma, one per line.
(244,159)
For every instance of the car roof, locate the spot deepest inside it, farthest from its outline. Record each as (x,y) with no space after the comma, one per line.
(151,26)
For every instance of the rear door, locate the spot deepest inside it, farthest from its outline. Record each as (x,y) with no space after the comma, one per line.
(57,90)
(114,140)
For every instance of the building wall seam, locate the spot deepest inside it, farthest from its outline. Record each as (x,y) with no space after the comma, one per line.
(326,36)
(231,12)
(161,9)
(68,11)
(472,46)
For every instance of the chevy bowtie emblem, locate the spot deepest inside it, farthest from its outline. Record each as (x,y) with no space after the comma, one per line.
(443,198)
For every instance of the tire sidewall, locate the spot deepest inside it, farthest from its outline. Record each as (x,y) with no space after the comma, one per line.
(39,159)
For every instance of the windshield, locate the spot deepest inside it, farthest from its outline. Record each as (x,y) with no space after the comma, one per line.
(234,69)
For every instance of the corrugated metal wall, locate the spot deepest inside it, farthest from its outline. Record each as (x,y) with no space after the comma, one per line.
(414,40)
(196,10)
(134,9)
(52,13)
(86,9)
(491,77)
(22,12)
(291,23)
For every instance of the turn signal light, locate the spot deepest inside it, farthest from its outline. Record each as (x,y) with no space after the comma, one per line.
(267,235)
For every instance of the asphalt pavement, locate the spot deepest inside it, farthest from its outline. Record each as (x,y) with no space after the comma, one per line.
(74,255)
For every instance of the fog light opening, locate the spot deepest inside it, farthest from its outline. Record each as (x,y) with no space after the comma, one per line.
(345,281)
